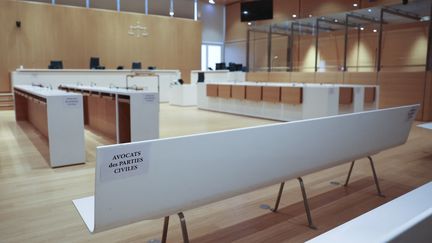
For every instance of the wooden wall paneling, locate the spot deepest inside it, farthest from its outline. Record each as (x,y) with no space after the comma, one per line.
(224,91)
(329,77)
(254,93)
(73,35)
(124,121)
(257,76)
(238,92)
(303,77)
(326,7)
(292,95)
(212,90)
(21,110)
(102,115)
(402,88)
(235,29)
(369,94)
(345,95)
(366,4)
(271,94)
(8,43)
(279,77)
(360,78)
(427,109)
(38,116)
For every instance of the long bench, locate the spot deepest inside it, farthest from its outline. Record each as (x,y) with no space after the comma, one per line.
(163,177)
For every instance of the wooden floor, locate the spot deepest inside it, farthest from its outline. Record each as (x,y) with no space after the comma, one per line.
(36,201)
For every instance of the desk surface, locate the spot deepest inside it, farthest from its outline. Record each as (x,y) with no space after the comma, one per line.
(95,70)
(43,91)
(113,90)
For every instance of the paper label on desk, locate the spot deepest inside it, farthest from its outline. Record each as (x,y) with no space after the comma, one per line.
(149,98)
(124,163)
(71,102)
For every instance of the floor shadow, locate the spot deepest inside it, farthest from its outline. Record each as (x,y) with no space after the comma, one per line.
(328,209)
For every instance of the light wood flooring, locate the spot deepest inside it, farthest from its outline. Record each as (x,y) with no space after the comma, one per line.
(36,201)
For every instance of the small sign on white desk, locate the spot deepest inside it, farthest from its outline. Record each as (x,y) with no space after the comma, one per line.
(71,102)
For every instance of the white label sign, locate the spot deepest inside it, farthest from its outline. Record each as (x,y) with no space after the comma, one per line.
(72,102)
(123,164)
(149,98)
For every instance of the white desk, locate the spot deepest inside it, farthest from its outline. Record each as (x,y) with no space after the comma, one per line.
(125,115)
(407,218)
(183,95)
(286,101)
(218,76)
(55,77)
(58,116)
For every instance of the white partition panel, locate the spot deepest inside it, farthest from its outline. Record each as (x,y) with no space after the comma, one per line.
(156,178)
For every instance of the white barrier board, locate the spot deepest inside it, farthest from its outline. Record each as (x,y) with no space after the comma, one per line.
(177,174)
(407,218)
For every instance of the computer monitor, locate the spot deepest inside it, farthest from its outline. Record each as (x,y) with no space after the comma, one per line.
(136,65)
(200,77)
(56,65)
(94,63)
(220,66)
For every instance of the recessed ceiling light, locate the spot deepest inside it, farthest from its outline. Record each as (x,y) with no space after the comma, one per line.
(369,10)
(362,28)
(249,23)
(310,15)
(355,4)
(375,30)
(211,1)
(245,12)
(294,16)
(336,20)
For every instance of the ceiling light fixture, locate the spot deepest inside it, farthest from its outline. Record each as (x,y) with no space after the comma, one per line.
(375,30)
(211,1)
(362,28)
(310,15)
(249,23)
(369,10)
(355,4)
(294,16)
(245,12)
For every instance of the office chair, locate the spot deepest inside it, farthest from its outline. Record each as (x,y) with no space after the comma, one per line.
(57,64)
(136,65)
(94,63)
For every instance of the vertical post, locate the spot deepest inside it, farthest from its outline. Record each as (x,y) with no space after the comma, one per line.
(165,229)
(146,7)
(316,44)
(346,43)
(429,48)
(290,48)
(269,48)
(118,5)
(53,2)
(378,67)
(87,3)
(195,10)
(247,49)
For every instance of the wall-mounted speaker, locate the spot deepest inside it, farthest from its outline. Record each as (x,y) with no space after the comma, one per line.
(18,24)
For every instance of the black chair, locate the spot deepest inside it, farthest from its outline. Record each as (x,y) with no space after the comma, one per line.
(180,81)
(220,66)
(120,67)
(200,77)
(136,65)
(151,67)
(94,63)
(56,65)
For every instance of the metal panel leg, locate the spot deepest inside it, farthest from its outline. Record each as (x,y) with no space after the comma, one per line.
(349,173)
(278,198)
(183,227)
(306,204)
(375,177)
(165,230)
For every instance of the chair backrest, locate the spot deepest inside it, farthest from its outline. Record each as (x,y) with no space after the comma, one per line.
(94,62)
(136,65)
(56,64)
